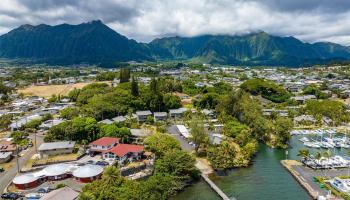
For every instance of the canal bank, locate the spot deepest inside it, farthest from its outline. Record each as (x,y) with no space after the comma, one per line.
(266,179)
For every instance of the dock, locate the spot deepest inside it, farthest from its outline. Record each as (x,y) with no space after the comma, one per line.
(216,188)
(287,164)
(206,169)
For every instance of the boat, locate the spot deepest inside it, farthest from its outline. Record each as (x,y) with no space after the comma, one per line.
(326,145)
(312,144)
(344,145)
(304,139)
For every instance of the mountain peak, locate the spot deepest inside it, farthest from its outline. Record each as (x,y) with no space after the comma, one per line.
(95,42)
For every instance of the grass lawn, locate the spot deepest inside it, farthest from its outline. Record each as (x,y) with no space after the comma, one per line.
(50,160)
(49,90)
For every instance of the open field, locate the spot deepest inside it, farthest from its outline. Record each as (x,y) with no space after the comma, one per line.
(49,90)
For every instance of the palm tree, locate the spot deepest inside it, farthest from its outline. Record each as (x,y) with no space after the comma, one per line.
(327,155)
(304,154)
(318,156)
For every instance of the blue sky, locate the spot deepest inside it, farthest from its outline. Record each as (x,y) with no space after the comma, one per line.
(144,20)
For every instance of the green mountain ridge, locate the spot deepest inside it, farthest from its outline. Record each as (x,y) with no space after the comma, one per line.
(94,42)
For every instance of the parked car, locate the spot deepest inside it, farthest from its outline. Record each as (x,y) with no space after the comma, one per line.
(102,163)
(11,195)
(34,196)
(90,162)
(44,190)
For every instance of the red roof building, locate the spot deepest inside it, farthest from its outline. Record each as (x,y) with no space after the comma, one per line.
(103,144)
(122,152)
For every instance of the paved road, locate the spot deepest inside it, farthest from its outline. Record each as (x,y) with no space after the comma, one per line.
(176,134)
(7,176)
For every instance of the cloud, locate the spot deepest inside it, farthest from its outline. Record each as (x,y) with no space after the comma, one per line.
(311,20)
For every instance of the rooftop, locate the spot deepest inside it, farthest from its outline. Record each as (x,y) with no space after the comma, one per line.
(56,145)
(65,193)
(122,149)
(105,141)
(144,112)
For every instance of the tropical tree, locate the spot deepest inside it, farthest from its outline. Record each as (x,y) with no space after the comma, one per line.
(134,87)
(198,133)
(304,154)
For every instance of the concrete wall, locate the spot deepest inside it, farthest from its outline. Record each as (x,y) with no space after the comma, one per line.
(46,153)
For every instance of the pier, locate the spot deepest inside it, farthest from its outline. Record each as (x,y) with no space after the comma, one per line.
(216,188)
(288,165)
(205,169)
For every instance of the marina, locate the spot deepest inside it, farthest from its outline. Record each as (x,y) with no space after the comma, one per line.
(267,178)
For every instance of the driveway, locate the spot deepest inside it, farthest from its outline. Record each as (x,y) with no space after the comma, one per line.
(183,142)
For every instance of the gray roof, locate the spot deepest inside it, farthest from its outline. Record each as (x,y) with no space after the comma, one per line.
(5,154)
(145,112)
(138,133)
(177,111)
(56,145)
(160,114)
(65,193)
(106,121)
(119,119)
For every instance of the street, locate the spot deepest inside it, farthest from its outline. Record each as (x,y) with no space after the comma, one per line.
(7,176)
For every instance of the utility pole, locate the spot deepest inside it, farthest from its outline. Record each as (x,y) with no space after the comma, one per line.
(17,159)
(36,151)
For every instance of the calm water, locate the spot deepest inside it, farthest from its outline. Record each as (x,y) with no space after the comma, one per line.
(266,179)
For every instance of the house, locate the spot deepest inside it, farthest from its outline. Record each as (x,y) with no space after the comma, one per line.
(138,135)
(65,193)
(56,148)
(103,144)
(142,115)
(268,112)
(181,95)
(106,121)
(124,152)
(303,99)
(23,121)
(346,93)
(50,123)
(215,138)
(160,116)
(119,119)
(208,113)
(177,113)
(304,119)
(5,156)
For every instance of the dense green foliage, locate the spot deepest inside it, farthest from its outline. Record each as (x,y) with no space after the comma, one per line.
(86,128)
(100,101)
(334,110)
(5,121)
(247,110)
(315,90)
(267,89)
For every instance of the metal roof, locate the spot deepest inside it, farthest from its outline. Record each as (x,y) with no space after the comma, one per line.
(88,171)
(56,145)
